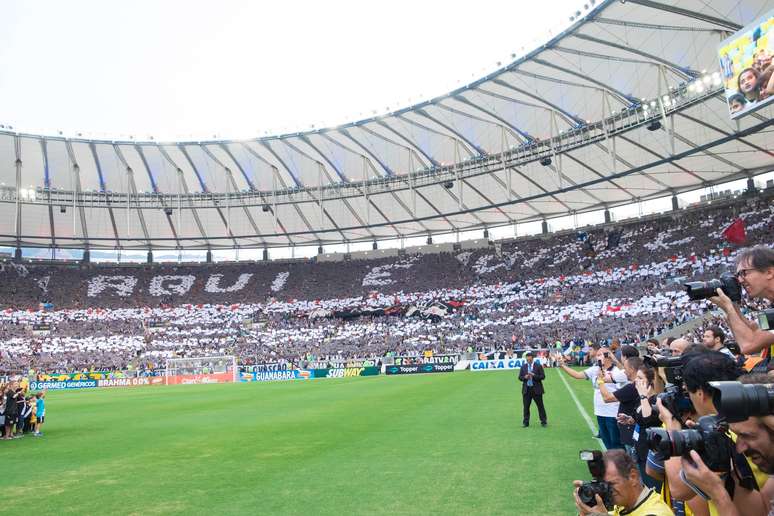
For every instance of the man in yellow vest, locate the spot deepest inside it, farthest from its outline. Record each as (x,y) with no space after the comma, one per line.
(747,479)
(629,495)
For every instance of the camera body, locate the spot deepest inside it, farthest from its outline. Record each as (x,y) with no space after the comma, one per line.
(676,401)
(708,439)
(727,282)
(674,398)
(588,490)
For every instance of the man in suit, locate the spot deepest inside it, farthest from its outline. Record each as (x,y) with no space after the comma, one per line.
(532,376)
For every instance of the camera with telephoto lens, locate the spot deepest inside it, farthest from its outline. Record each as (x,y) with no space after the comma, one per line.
(708,439)
(674,398)
(738,402)
(766,319)
(588,490)
(727,282)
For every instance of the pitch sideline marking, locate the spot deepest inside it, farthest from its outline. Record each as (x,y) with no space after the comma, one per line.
(581,409)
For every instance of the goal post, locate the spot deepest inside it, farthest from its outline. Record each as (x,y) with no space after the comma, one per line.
(197,370)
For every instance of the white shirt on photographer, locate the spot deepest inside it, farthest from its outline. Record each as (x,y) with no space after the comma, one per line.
(601,408)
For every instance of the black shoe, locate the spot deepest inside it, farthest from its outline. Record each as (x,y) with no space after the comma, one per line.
(525,425)
(543,424)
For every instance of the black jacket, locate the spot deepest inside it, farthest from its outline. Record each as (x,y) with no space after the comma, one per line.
(538,375)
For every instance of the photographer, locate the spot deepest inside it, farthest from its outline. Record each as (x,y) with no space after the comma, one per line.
(628,494)
(698,371)
(755,273)
(644,417)
(628,399)
(755,439)
(607,373)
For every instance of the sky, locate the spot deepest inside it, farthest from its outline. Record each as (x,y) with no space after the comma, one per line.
(194,69)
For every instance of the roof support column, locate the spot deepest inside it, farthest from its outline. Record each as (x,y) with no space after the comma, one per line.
(320,193)
(365,191)
(552,143)
(412,183)
(274,173)
(508,170)
(458,161)
(18,219)
(609,140)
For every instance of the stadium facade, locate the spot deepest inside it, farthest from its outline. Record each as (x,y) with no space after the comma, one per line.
(625,105)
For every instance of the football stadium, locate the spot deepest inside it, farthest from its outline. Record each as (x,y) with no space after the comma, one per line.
(546,291)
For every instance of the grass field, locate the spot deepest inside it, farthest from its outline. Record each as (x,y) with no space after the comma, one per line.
(442,443)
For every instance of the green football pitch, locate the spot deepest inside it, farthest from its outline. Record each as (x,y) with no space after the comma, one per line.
(438,443)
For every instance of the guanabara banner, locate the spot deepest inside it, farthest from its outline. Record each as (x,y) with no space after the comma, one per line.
(306,374)
(274,376)
(419,369)
(499,365)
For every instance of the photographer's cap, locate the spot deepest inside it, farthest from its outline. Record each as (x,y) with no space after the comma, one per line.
(529,354)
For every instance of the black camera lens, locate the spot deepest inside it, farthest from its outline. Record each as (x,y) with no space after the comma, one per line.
(698,290)
(737,402)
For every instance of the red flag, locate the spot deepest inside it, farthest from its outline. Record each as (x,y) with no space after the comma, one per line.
(735,232)
(726,251)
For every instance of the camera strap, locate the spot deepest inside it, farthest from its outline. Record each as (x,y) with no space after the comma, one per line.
(743,473)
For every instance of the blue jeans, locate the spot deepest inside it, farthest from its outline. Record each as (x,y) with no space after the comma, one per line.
(608,432)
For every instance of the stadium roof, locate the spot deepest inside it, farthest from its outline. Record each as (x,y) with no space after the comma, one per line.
(625,105)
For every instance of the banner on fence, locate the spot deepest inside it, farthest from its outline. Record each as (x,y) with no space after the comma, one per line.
(345,372)
(433,359)
(131,382)
(64,384)
(500,365)
(195,379)
(419,368)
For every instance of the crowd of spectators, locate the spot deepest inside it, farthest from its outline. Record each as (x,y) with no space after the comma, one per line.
(578,288)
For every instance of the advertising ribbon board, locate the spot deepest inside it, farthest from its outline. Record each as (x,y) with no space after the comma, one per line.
(64,384)
(499,365)
(419,369)
(131,382)
(346,372)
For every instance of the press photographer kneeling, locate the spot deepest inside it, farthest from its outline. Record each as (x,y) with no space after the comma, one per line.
(617,487)
(703,439)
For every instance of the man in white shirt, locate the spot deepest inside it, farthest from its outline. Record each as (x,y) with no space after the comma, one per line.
(603,371)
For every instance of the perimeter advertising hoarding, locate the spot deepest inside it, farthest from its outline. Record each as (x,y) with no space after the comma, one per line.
(131,382)
(196,379)
(499,365)
(746,66)
(63,384)
(419,369)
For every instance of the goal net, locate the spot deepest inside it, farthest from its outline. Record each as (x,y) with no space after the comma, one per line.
(216,369)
